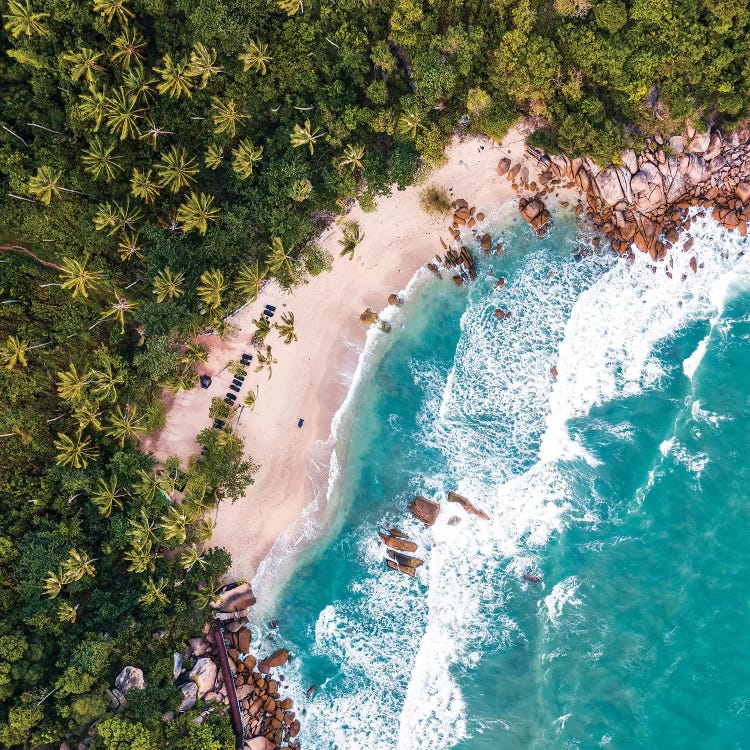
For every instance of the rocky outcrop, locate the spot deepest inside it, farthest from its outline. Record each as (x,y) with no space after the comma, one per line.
(131,678)
(401,559)
(425,510)
(467,505)
(404,545)
(235,597)
(276,659)
(536,214)
(203,674)
(190,696)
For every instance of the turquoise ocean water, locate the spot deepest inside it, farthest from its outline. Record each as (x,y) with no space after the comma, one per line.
(623,485)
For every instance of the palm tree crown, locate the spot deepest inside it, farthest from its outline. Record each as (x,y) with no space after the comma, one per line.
(225,116)
(99,160)
(305,136)
(45,185)
(112,9)
(13,352)
(177,169)
(286,329)
(247,281)
(75,452)
(196,211)
(144,186)
(125,425)
(84,64)
(168,285)
(203,63)
(129,47)
(77,277)
(245,156)
(21,19)
(176,77)
(212,286)
(107,497)
(255,57)
(352,158)
(123,113)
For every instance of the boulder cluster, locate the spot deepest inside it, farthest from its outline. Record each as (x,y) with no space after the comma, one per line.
(642,204)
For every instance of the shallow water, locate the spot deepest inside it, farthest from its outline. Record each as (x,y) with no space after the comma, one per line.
(623,485)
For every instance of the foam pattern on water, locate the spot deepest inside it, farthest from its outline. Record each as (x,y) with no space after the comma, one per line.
(506,433)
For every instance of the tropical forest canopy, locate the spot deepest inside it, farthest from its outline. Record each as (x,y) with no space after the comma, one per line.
(158,160)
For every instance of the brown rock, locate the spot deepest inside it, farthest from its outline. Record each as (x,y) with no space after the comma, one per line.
(503,166)
(424,510)
(407,569)
(404,545)
(553,372)
(480,216)
(294,728)
(272,687)
(467,505)
(255,706)
(463,213)
(500,283)
(742,191)
(486,242)
(368,317)
(286,704)
(693,264)
(259,743)
(276,659)
(270,705)
(243,638)
(513,173)
(235,597)
(245,691)
(250,662)
(499,313)
(402,559)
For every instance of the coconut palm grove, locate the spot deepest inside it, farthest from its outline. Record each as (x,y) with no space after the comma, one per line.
(159,159)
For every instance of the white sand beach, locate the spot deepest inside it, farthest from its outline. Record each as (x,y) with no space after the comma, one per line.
(312,376)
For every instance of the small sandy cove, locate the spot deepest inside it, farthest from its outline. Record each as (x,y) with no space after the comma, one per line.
(313,374)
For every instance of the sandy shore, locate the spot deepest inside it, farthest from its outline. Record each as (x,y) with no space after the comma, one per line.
(312,376)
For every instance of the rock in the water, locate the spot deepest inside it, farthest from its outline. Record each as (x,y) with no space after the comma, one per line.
(454,521)
(401,559)
(406,569)
(499,313)
(486,242)
(400,544)
(425,510)
(131,678)
(190,696)
(500,283)
(276,659)
(176,665)
(203,674)
(480,216)
(394,299)
(244,636)
(503,166)
(368,317)
(467,505)
(311,691)
(397,533)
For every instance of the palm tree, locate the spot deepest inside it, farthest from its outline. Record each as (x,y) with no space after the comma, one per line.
(112,9)
(213,157)
(212,286)
(290,7)
(71,384)
(136,82)
(94,106)
(250,400)
(128,46)
(168,285)
(115,217)
(75,453)
(123,113)
(87,414)
(153,132)
(305,136)
(286,331)
(77,566)
(352,158)
(279,258)
(129,247)
(265,361)
(225,116)
(105,381)
(84,64)
(174,525)
(45,185)
(409,123)
(351,236)
(67,612)
(14,351)
(262,329)
(184,379)
(99,160)
(247,281)
(140,558)
(125,425)
(107,497)
(143,186)
(155,592)
(191,556)
(119,308)
(245,156)
(301,190)
(78,277)
(203,63)
(196,211)
(176,169)
(21,19)
(53,583)
(146,486)
(194,353)
(255,57)
(208,593)
(176,77)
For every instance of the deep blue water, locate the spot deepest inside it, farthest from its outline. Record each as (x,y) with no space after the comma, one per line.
(622,484)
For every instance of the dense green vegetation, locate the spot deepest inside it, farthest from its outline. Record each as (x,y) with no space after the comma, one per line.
(158,159)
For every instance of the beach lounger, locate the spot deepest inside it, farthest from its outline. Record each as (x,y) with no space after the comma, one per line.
(300,422)
(218,423)
(234,388)
(271,308)
(237,383)
(228,400)
(241,378)
(231,397)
